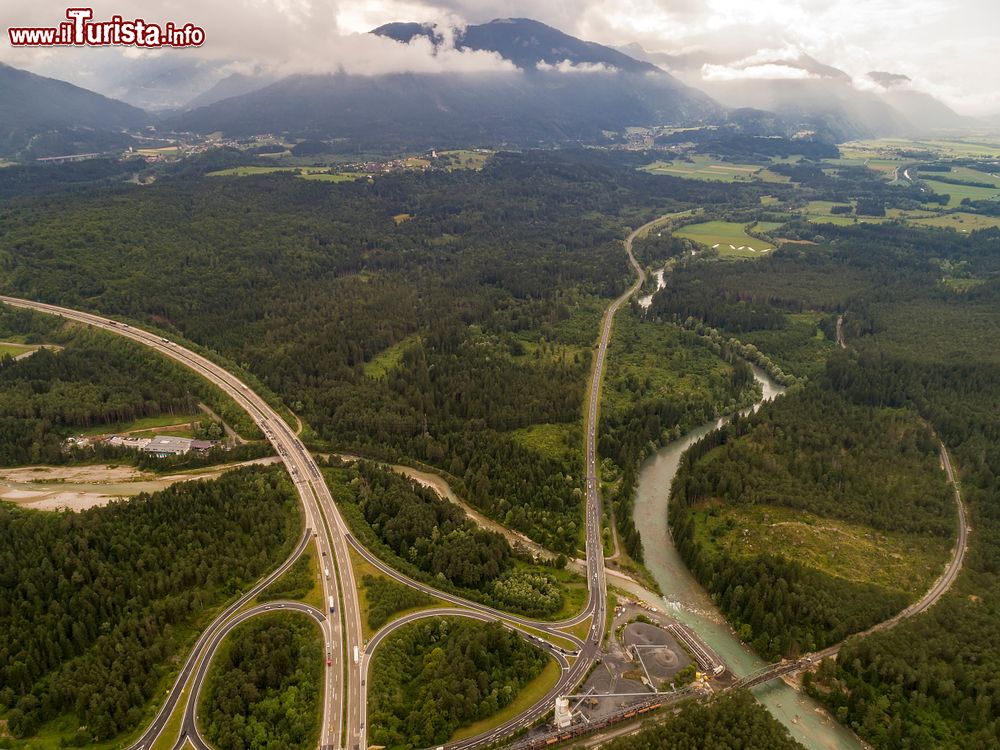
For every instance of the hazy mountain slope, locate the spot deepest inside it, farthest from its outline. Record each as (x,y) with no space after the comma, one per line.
(31,104)
(435,110)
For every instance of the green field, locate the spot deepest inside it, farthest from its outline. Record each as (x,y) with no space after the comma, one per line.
(975,175)
(727,237)
(908,563)
(323,174)
(388,360)
(15,350)
(961,222)
(958,192)
(551,440)
(465,159)
(962,147)
(703,168)
(146,423)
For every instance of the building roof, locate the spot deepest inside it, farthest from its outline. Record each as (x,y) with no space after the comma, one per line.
(167,444)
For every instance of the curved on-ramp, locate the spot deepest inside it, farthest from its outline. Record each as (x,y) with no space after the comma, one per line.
(189,726)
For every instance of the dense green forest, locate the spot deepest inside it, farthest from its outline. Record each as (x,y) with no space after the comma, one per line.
(814,452)
(95,605)
(432,677)
(93,379)
(734,721)
(427,537)
(932,682)
(434,339)
(387,597)
(264,687)
(661,381)
(917,341)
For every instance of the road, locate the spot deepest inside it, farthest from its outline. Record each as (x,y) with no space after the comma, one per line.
(941,585)
(153,731)
(189,726)
(342,632)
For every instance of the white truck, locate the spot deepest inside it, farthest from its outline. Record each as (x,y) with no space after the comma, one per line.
(330,600)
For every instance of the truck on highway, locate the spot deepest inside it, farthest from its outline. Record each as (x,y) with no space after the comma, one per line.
(330,599)
(326,572)
(355,654)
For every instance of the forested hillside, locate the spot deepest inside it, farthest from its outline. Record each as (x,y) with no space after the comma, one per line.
(95,606)
(432,677)
(434,338)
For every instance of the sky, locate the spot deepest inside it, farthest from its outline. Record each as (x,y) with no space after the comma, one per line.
(948,48)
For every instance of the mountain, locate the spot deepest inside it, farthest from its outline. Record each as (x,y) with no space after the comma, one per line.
(232,85)
(524,42)
(809,94)
(426,111)
(924,112)
(54,117)
(564,90)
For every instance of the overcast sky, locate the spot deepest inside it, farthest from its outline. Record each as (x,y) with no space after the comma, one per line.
(950,48)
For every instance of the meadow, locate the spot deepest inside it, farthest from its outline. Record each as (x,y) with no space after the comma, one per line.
(728,237)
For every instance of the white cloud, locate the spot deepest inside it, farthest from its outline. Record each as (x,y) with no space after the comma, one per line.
(767,71)
(567,66)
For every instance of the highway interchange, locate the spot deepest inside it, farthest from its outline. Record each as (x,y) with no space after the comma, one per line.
(344,705)
(344,723)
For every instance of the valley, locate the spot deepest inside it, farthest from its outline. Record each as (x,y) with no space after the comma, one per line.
(470,384)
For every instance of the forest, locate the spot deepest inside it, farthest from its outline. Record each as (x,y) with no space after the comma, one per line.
(479,304)
(387,597)
(735,721)
(427,537)
(661,382)
(95,606)
(915,343)
(264,686)
(816,453)
(432,677)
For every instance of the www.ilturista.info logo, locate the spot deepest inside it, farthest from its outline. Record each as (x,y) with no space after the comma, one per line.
(81,31)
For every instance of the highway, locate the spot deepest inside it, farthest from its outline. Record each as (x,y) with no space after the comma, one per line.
(343,631)
(163,715)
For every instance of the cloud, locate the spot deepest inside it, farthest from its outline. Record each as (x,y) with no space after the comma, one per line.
(767,71)
(567,66)
(928,40)
(278,36)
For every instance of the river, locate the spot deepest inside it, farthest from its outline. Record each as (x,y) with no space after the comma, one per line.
(688,602)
